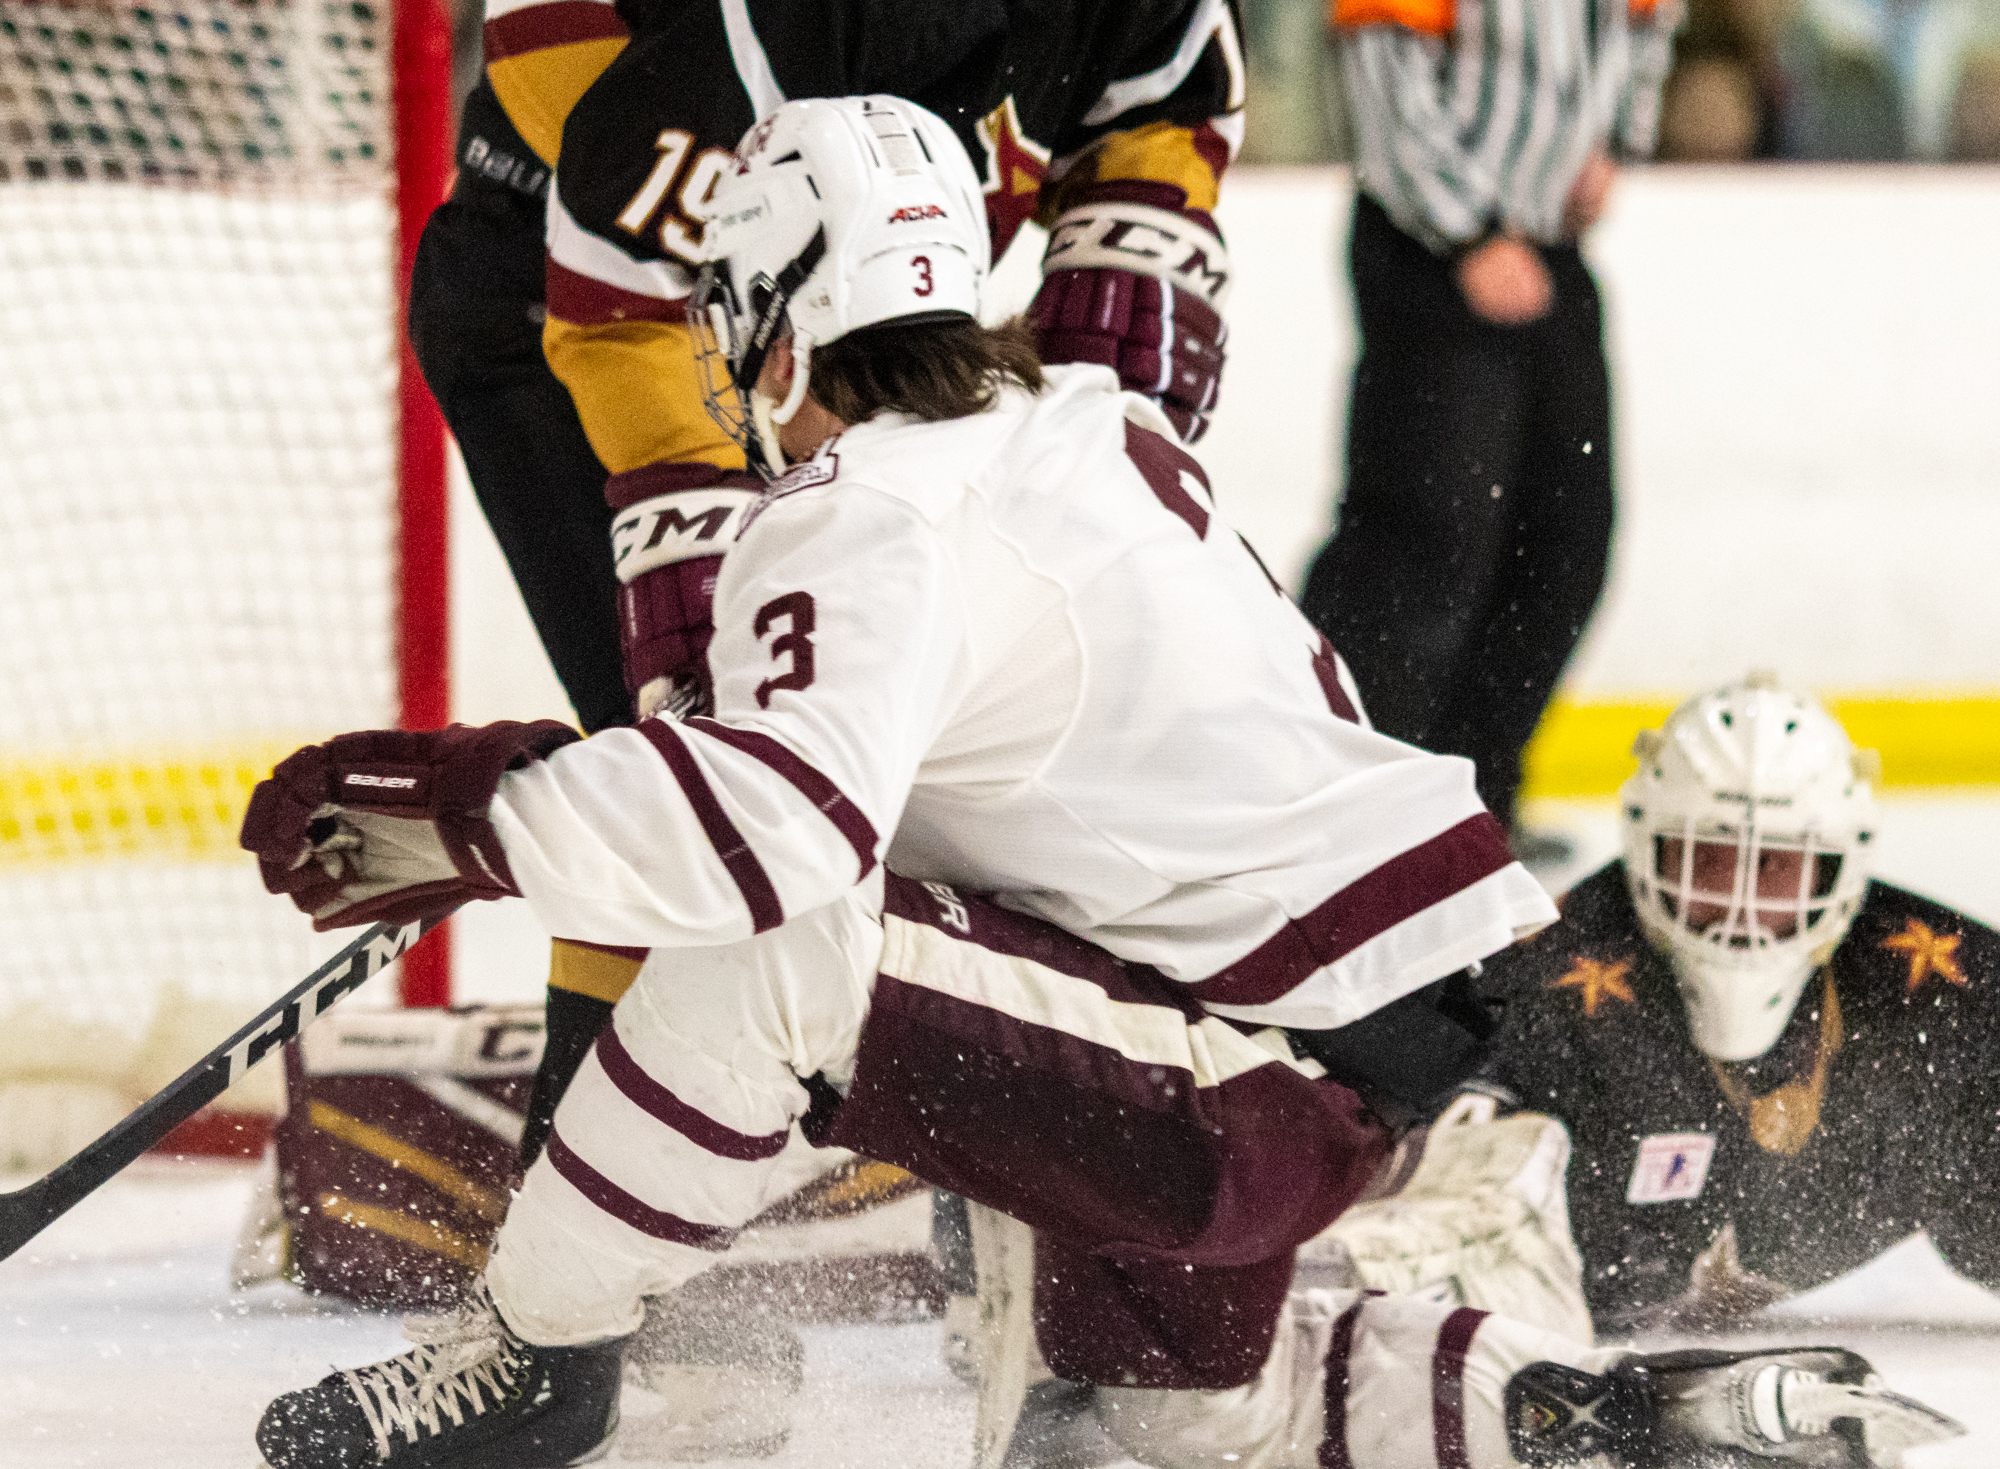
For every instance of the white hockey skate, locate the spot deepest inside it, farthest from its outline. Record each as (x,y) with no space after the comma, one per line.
(1818,1407)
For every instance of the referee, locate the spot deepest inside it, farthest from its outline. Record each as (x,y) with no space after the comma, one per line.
(1476,524)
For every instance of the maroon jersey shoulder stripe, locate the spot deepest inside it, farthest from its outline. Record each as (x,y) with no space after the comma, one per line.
(538,27)
(766,912)
(620,1205)
(1333,1452)
(1326,667)
(583,300)
(663,1106)
(826,797)
(1402,887)
(1448,1386)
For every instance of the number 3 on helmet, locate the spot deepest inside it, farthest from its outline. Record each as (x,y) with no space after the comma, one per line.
(1746,830)
(841,214)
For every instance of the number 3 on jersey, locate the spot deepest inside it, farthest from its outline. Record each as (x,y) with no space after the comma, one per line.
(796,644)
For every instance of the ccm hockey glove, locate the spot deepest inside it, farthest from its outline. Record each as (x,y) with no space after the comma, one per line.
(671,526)
(1135,281)
(391,825)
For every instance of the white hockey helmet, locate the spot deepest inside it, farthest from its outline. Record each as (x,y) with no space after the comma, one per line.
(841,213)
(1747,831)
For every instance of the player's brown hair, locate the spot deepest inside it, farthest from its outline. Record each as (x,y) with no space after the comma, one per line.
(931,370)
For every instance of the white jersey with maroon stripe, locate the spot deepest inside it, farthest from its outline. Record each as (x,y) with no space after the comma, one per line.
(1020,653)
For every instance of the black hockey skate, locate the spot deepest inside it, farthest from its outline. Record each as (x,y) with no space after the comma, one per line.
(1817,1407)
(471,1396)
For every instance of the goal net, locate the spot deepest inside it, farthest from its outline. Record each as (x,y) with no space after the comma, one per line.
(203,509)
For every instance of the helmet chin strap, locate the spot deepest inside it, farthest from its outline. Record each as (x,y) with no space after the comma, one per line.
(769,414)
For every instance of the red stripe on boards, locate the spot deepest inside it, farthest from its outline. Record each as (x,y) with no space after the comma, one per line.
(663,1106)
(584,300)
(1448,1386)
(1333,1452)
(613,1200)
(825,796)
(538,27)
(1404,886)
(766,912)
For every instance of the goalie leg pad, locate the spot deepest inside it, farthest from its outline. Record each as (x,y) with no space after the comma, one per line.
(1482,1221)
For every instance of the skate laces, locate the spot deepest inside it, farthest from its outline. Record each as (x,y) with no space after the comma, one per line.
(468,1359)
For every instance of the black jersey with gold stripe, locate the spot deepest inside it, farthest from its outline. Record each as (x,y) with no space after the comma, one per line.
(1876,1114)
(1048,97)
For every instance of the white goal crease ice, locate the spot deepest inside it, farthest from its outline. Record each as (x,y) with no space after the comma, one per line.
(200,510)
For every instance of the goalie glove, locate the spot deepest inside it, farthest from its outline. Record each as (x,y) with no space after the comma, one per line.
(390,825)
(1135,281)
(672,524)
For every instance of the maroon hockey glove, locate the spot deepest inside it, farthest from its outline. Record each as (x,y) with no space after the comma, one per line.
(672,525)
(1135,281)
(390,825)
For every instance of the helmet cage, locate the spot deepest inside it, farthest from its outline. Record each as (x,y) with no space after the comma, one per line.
(1746,922)
(1745,841)
(733,331)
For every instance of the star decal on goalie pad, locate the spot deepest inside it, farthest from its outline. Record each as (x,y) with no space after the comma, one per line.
(1598,982)
(1929,953)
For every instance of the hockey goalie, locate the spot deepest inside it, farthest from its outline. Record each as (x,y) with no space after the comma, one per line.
(984,633)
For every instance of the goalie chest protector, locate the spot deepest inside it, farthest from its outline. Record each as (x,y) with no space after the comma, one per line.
(399,1148)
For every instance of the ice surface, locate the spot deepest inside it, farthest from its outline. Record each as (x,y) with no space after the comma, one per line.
(121,1344)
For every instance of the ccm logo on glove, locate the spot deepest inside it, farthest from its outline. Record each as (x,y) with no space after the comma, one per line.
(1168,245)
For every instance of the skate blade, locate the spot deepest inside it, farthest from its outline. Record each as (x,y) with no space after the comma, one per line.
(1916,1425)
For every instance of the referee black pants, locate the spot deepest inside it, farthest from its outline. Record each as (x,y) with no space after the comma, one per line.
(1476,524)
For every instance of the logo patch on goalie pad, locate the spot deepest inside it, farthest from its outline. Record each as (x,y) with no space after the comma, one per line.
(1671,1166)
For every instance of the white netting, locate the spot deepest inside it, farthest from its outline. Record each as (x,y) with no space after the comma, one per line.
(197,475)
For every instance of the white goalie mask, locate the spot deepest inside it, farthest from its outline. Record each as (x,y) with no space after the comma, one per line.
(842,213)
(1747,831)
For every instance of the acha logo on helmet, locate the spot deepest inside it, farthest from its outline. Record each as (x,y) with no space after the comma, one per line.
(911,213)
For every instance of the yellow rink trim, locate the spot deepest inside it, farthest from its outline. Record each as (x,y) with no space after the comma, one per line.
(181,803)
(186,803)
(1943,739)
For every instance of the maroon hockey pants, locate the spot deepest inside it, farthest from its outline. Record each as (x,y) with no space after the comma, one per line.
(1167,1201)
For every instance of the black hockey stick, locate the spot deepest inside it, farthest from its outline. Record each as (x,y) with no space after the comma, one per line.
(26,1212)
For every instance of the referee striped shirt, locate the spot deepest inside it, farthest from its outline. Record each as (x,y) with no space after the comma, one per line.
(1477,115)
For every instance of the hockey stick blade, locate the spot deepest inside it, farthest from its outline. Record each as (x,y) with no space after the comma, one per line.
(26,1212)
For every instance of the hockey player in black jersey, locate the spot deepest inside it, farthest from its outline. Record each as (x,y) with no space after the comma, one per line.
(1772,1068)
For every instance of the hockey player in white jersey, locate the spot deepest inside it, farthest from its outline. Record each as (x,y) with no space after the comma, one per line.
(986,629)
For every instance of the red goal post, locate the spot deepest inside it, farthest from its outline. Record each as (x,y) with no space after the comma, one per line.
(423,649)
